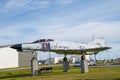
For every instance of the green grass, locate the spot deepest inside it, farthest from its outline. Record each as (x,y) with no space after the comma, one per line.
(96,73)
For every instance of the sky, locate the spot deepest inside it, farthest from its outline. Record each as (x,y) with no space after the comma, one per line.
(68,20)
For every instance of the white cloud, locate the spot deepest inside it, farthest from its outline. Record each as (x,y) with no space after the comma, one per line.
(65,1)
(38,4)
(22,5)
(109,30)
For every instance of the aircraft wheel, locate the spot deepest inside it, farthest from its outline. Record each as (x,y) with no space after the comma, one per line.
(83,57)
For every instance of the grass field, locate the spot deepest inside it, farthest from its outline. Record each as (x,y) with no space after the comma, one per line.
(95,73)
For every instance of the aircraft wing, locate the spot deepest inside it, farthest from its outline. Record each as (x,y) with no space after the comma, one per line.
(84,51)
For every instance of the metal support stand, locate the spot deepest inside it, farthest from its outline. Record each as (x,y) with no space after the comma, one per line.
(34,65)
(95,57)
(65,64)
(84,64)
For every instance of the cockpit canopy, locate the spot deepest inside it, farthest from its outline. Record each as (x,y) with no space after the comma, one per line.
(43,40)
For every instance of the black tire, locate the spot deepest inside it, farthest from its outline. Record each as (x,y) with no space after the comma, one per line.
(82,57)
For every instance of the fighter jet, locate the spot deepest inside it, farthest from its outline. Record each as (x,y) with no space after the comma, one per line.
(63,47)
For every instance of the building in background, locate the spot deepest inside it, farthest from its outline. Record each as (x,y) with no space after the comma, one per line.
(55,60)
(24,58)
(74,58)
(10,58)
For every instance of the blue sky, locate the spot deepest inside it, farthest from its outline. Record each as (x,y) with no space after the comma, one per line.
(69,20)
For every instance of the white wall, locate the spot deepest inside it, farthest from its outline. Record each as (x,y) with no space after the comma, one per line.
(8,58)
(55,60)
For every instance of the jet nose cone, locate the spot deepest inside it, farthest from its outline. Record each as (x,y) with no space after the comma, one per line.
(17,46)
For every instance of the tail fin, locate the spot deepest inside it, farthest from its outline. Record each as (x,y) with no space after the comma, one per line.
(99,41)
